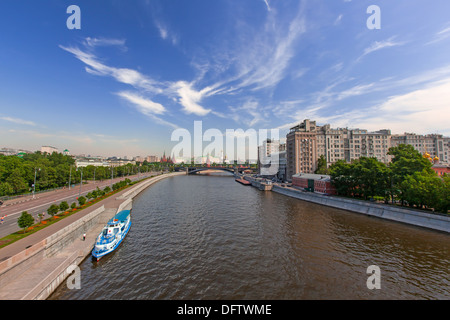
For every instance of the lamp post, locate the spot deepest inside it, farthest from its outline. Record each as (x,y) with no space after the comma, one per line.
(81,182)
(70,176)
(34,185)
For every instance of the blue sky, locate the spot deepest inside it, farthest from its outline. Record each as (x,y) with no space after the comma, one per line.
(139,69)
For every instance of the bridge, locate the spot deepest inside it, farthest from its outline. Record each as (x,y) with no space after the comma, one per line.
(194,169)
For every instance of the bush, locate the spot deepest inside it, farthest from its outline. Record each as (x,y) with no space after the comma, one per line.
(53,210)
(81,200)
(63,206)
(25,220)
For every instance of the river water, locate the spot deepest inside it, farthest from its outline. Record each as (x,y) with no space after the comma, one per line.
(208,237)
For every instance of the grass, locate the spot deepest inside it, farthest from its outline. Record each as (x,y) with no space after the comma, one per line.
(18,235)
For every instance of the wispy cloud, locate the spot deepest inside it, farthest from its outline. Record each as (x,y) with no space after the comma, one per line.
(101,42)
(338,19)
(421,103)
(123,75)
(441,35)
(190,98)
(165,33)
(378,45)
(144,105)
(18,121)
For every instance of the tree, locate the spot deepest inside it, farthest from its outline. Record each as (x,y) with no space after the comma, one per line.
(406,161)
(63,206)
(81,200)
(25,221)
(73,205)
(53,209)
(17,181)
(5,189)
(321,165)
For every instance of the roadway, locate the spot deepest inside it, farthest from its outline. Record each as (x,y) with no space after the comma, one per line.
(12,209)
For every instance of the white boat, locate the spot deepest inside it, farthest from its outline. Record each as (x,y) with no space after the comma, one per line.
(112,234)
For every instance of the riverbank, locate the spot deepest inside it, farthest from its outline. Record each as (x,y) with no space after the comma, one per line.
(41,265)
(413,217)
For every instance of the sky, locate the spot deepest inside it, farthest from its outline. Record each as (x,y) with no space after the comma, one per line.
(138,70)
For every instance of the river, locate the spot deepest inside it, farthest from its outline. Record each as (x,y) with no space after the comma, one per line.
(208,237)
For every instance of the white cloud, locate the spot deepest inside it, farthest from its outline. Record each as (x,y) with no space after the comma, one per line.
(441,35)
(144,105)
(378,45)
(18,121)
(123,75)
(164,32)
(338,19)
(267,4)
(190,98)
(99,42)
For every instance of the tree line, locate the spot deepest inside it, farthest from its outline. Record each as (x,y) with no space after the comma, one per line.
(408,179)
(17,174)
(26,220)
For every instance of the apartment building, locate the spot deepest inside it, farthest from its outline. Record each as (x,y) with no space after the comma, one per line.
(306,142)
(301,149)
(436,145)
(349,144)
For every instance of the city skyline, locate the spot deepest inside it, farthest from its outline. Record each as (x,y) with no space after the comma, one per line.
(133,73)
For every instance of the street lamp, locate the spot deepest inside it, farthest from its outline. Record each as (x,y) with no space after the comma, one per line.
(81,182)
(70,175)
(34,185)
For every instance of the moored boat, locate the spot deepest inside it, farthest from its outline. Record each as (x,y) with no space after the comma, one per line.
(112,234)
(244,182)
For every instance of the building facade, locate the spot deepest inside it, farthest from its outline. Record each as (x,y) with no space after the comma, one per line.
(301,149)
(436,145)
(306,142)
(48,149)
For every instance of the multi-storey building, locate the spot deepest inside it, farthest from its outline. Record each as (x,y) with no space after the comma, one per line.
(436,145)
(349,144)
(301,149)
(306,142)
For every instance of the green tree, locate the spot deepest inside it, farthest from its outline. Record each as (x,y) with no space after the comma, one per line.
(53,209)
(81,200)
(322,165)
(342,178)
(73,205)
(17,181)
(406,161)
(63,206)
(6,189)
(25,221)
